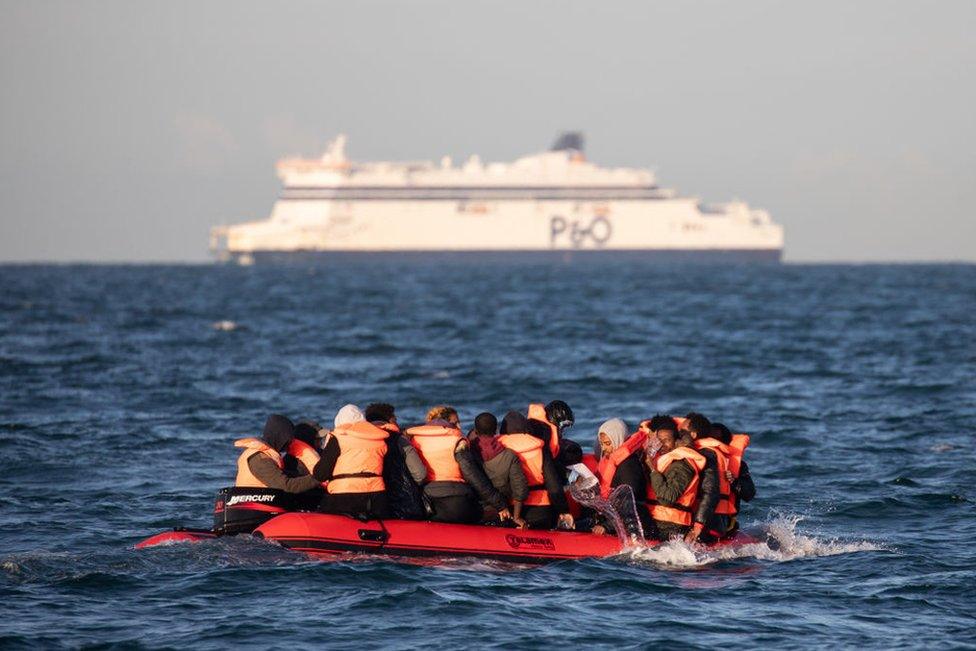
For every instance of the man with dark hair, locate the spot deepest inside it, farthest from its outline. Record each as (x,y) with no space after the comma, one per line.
(675,478)
(501,465)
(403,470)
(380,412)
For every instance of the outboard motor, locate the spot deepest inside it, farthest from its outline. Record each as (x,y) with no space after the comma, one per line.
(241,510)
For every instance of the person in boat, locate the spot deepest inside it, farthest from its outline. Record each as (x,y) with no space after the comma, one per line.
(444,412)
(502,467)
(306,431)
(675,471)
(353,460)
(545,506)
(713,509)
(261,464)
(403,470)
(737,474)
(454,483)
(620,463)
(300,460)
(549,422)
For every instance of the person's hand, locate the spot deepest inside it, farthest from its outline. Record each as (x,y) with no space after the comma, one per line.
(645,426)
(504,515)
(728,476)
(319,472)
(565,521)
(520,523)
(692,536)
(598,529)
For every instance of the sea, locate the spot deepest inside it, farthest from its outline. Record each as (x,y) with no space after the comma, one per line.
(122,389)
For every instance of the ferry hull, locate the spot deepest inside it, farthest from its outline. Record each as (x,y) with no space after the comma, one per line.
(662,256)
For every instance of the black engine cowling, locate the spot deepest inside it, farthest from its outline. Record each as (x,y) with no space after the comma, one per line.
(241,510)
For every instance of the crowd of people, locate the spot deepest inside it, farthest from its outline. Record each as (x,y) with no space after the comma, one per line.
(687,474)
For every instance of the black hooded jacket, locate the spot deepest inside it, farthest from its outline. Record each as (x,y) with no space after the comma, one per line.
(552,474)
(708,489)
(278,433)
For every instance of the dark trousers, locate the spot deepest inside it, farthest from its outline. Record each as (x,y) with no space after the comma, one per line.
(459,509)
(540,517)
(668,530)
(372,506)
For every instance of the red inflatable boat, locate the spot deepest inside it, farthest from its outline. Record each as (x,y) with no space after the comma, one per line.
(326,535)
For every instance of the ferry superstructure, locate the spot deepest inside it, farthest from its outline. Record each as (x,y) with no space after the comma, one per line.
(554,203)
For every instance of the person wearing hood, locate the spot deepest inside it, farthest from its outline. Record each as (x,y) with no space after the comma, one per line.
(620,454)
(545,506)
(549,422)
(403,470)
(261,464)
(454,483)
(353,461)
(502,467)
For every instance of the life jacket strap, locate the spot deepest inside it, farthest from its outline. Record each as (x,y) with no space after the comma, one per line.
(353,475)
(676,507)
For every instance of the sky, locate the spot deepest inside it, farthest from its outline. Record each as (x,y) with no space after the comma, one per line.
(128,128)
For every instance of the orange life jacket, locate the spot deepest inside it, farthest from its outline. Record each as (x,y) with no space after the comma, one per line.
(537,411)
(607,467)
(681,512)
(306,455)
(726,501)
(529,451)
(736,449)
(359,468)
(591,462)
(435,444)
(252,446)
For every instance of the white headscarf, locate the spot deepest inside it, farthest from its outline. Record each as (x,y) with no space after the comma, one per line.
(348,415)
(616,429)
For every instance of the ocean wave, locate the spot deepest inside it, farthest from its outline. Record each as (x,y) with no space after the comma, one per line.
(782,543)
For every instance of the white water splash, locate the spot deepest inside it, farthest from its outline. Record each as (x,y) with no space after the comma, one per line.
(224,326)
(782,543)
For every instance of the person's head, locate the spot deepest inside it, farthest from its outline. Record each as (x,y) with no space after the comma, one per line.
(668,439)
(485,424)
(666,431)
(697,425)
(348,415)
(443,412)
(380,412)
(610,436)
(514,423)
(559,414)
(307,431)
(721,433)
(278,432)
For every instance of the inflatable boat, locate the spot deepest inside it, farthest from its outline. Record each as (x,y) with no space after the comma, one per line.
(328,535)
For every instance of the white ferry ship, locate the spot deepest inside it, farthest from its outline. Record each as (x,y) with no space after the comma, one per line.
(554,204)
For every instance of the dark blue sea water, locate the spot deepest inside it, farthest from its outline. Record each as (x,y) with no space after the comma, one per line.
(121,392)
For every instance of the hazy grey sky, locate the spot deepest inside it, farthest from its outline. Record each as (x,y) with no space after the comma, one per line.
(128,128)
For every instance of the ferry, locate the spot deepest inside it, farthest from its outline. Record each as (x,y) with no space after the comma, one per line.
(550,205)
